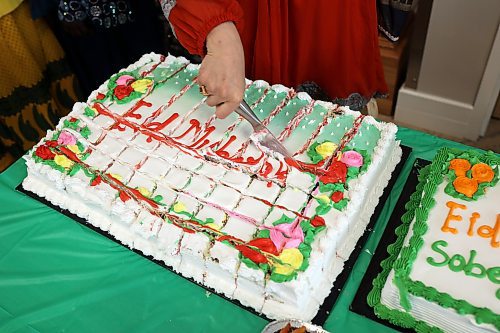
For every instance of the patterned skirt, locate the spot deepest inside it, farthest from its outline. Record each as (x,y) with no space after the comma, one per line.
(36,85)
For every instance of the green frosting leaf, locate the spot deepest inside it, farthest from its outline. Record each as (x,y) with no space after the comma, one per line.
(283,219)
(85,132)
(89,112)
(313,154)
(341,204)
(331,187)
(264,233)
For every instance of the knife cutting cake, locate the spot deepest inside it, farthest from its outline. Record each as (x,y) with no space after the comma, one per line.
(443,272)
(146,160)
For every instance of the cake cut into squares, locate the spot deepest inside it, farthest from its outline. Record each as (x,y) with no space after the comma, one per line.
(236,179)
(140,115)
(132,156)
(222,265)
(122,132)
(292,199)
(277,214)
(121,172)
(98,160)
(239,228)
(185,206)
(250,288)
(224,196)
(199,186)
(169,238)
(154,167)
(265,190)
(188,162)
(167,195)
(176,178)
(104,122)
(147,225)
(94,133)
(143,183)
(166,152)
(252,208)
(202,195)
(301,180)
(211,170)
(194,247)
(145,142)
(111,146)
(214,217)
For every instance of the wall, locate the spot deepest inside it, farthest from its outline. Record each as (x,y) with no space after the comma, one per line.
(453,68)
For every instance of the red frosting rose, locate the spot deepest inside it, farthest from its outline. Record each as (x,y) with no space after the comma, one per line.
(317,221)
(51,143)
(337,196)
(337,173)
(44,152)
(122,91)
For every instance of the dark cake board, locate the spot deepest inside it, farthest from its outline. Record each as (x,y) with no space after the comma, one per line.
(359,304)
(329,302)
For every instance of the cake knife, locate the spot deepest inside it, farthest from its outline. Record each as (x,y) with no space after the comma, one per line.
(266,138)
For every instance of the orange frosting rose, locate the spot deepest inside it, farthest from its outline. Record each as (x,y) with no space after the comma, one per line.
(482,172)
(460,166)
(465,185)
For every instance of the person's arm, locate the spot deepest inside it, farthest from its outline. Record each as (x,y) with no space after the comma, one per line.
(210,28)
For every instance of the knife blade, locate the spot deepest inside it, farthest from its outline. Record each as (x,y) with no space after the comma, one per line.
(265,137)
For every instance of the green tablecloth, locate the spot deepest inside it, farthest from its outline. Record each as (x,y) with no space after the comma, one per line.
(59,276)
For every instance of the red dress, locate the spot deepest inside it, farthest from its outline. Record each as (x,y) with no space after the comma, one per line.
(331,42)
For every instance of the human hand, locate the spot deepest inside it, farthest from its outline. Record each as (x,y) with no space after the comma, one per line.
(222,71)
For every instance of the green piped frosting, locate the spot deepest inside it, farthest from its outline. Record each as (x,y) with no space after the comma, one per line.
(401,258)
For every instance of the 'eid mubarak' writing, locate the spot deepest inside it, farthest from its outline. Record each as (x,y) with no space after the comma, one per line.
(457,262)
(484,231)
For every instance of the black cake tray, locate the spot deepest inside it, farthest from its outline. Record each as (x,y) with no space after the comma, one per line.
(359,304)
(329,302)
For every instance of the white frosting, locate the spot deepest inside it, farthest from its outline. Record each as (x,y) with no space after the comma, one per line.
(263,190)
(442,278)
(304,96)
(224,196)
(261,83)
(279,88)
(239,228)
(292,199)
(182,183)
(253,208)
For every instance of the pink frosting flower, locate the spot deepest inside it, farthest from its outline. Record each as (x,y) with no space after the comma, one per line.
(124,80)
(66,138)
(352,158)
(287,235)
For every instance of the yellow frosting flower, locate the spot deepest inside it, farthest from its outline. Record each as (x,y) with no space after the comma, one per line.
(74,149)
(63,161)
(144,191)
(116,176)
(141,85)
(213,226)
(326,149)
(179,207)
(323,198)
(291,258)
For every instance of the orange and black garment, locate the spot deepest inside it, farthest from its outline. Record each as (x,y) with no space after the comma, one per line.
(36,85)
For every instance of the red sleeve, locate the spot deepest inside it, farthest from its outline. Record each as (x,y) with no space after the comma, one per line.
(192,20)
